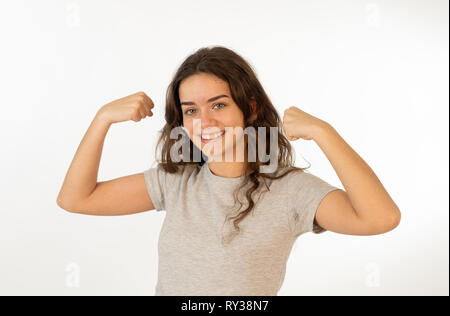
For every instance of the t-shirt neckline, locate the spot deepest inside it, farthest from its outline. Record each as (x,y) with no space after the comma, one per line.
(219,178)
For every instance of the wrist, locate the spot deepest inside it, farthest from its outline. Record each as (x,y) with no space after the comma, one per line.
(321,130)
(101,118)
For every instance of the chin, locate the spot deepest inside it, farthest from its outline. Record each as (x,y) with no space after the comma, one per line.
(218,154)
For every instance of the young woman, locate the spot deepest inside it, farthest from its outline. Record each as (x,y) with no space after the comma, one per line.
(229,226)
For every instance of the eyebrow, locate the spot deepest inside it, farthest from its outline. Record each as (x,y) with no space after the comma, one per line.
(210,100)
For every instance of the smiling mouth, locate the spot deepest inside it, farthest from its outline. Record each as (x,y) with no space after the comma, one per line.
(206,138)
(212,136)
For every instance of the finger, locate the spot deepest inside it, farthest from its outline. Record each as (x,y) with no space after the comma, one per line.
(146,110)
(149,101)
(142,112)
(149,109)
(147,104)
(136,117)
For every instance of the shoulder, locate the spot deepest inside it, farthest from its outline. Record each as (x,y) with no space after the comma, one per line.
(290,175)
(307,186)
(295,179)
(169,173)
(284,178)
(300,177)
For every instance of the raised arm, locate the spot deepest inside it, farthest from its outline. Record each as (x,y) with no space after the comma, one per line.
(80,192)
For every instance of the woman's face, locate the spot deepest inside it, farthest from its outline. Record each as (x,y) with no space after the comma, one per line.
(208,108)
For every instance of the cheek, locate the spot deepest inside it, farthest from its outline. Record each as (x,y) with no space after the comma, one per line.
(188,127)
(238,119)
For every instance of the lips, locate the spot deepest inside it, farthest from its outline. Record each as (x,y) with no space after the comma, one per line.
(212,135)
(206,138)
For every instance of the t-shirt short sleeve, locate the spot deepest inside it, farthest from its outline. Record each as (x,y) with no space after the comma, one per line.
(162,185)
(155,181)
(307,191)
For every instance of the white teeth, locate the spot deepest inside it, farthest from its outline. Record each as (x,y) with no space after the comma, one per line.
(212,136)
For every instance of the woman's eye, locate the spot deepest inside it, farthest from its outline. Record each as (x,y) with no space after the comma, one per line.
(220,104)
(189,113)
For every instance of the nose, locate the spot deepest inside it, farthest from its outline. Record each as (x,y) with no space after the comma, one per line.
(208,121)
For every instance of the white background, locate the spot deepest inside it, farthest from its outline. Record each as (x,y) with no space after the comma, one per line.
(375,70)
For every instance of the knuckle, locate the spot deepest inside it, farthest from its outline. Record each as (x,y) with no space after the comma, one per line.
(141,98)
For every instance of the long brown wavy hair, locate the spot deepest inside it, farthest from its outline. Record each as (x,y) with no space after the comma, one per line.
(244,86)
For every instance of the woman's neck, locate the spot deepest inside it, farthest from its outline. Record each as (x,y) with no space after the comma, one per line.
(230,169)
(227,169)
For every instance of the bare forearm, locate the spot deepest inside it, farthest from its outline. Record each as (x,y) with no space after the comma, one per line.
(81,178)
(366,193)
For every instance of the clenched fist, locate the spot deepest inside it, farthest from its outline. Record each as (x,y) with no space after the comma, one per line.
(299,124)
(133,107)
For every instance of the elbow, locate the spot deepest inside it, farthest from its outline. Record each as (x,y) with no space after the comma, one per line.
(383,224)
(62,203)
(394,220)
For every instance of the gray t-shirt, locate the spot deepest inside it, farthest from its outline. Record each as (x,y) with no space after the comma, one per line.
(192,258)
